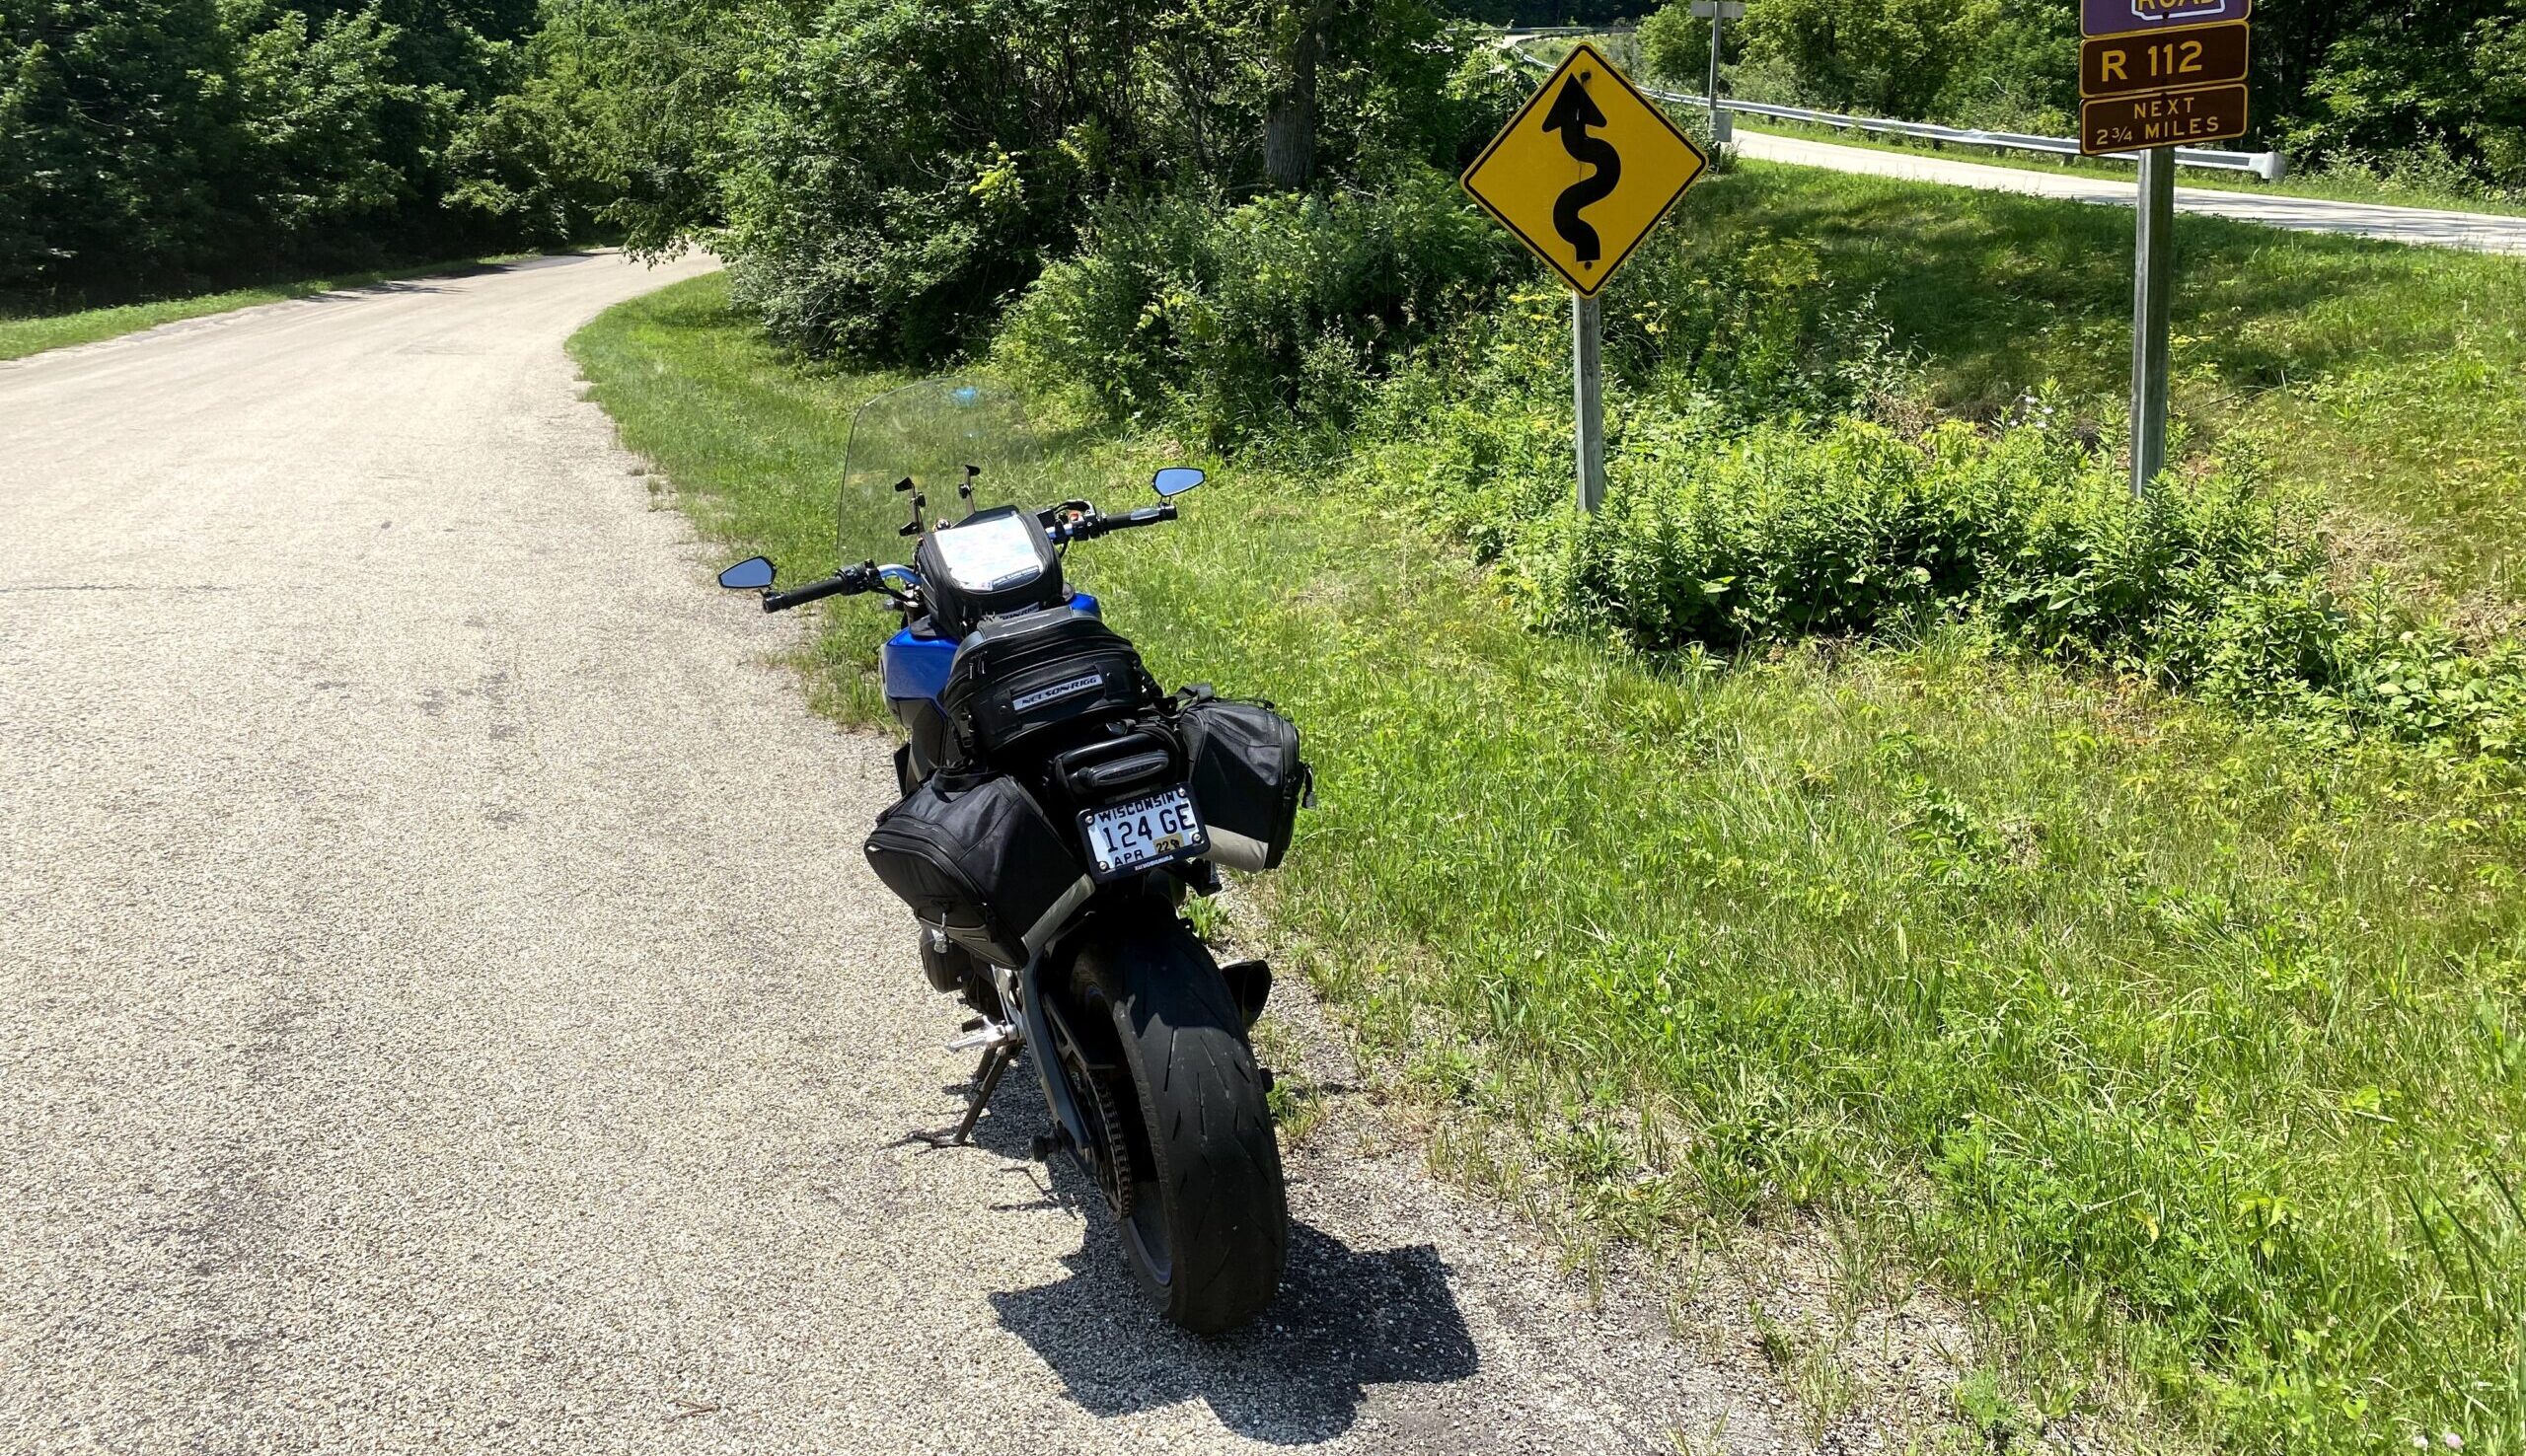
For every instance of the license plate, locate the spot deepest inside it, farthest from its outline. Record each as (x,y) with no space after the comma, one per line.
(1157,829)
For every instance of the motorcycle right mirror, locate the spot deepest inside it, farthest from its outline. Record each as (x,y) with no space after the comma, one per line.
(749,574)
(1176,479)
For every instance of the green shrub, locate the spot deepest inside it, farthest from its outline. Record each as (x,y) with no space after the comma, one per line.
(1247,320)
(1724,539)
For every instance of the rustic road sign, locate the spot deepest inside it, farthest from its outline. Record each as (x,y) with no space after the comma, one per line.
(2123,17)
(2182,119)
(2163,60)
(1585,170)
(2155,75)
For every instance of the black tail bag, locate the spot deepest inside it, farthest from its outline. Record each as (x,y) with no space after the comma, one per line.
(1247,777)
(975,856)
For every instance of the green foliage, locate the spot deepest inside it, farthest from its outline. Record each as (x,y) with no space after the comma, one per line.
(315,101)
(115,131)
(885,175)
(152,146)
(1883,57)
(1674,47)
(903,170)
(1249,319)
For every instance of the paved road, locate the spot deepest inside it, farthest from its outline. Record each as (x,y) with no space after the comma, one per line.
(442,1004)
(2477,232)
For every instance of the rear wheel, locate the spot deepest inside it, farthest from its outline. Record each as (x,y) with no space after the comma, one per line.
(1206,1228)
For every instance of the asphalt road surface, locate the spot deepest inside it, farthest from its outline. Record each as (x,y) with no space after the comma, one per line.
(2475,230)
(442,1004)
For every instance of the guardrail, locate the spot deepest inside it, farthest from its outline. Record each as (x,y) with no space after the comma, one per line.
(2270,166)
(1535,33)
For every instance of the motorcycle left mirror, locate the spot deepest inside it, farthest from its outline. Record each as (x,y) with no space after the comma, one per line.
(749,574)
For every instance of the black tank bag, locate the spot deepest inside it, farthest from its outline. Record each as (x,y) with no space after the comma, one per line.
(973,855)
(1018,677)
(1248,780)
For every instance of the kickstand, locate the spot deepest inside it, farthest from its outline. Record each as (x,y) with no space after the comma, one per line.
(986,1080)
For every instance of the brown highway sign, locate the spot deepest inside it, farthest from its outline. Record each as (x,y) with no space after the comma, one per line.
(2163,60)
(2182,119)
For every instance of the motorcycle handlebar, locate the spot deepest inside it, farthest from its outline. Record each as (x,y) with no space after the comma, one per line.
(1092,527)
(851,580)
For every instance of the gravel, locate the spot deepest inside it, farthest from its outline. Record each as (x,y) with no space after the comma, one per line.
(442,1005)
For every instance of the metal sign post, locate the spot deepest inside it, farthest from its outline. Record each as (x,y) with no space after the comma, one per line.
(1715,11)
(2154,74)
(1588,387)
(2152,281)
(1580,175)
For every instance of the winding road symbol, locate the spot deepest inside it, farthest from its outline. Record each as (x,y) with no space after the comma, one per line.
(1570,115)
(1584,170)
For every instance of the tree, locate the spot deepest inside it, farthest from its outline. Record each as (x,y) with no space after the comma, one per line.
(1289,121)
(116,140)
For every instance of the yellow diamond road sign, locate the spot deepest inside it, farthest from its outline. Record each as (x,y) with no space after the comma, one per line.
(1585,170)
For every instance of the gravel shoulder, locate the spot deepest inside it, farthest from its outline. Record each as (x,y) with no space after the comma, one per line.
(442,1005)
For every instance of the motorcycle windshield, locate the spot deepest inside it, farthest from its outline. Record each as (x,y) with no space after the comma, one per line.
(931,433)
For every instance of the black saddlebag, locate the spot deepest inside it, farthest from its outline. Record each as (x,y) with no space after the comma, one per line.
(1248,780)
(973,855)
(1015,678)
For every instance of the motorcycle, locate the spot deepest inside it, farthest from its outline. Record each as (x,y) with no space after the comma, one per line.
(1058,811)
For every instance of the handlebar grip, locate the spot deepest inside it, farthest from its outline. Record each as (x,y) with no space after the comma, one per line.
(848,580)
(1144,516)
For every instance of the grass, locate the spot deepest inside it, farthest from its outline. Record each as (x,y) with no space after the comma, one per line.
(2392,378)
(2177,1049)
(33,334)
(2328,185)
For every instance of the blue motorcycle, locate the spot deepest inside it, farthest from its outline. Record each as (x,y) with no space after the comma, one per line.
(1058,809)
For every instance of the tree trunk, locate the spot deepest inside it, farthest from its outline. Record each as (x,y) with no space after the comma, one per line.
(1288,125)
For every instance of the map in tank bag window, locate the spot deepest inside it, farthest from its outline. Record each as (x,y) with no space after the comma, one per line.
(988,555)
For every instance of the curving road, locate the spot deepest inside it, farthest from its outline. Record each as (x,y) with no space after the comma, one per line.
(2473,231)
(442,1005)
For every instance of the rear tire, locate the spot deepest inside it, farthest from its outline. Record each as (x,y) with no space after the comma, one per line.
(1208,1233)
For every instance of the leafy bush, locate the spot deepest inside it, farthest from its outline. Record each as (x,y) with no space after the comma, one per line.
(1250,319)
(1721,538)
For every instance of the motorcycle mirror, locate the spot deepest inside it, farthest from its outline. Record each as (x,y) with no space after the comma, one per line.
(1176,479)
(749,574)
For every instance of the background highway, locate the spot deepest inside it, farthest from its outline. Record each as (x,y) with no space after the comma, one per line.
(2477,231)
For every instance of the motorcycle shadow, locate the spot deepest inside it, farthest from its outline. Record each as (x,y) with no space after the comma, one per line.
(1347,1321)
